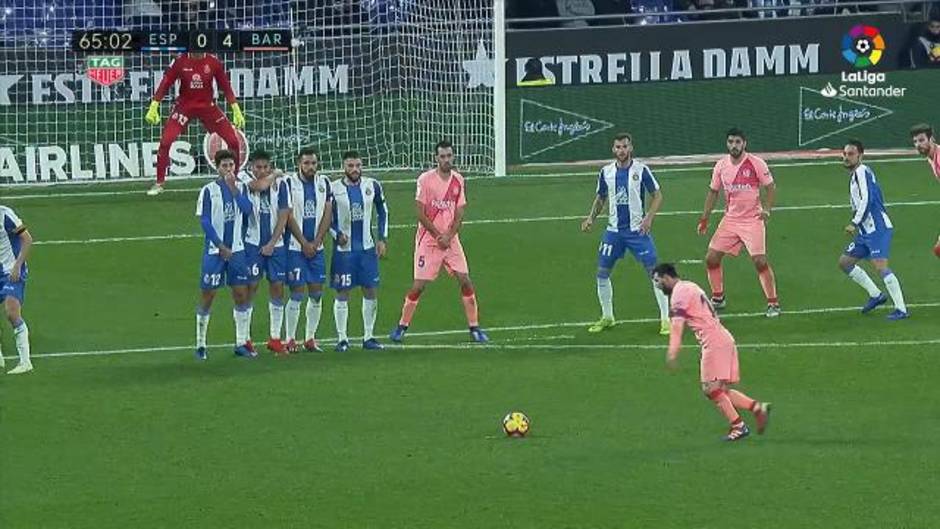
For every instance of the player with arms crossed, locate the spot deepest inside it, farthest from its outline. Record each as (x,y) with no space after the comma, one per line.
(926,145)
(440,202)
(628,228)
(309,223)
(265,251)
(872,231)
(195,72)
(742,176)
(719,363)
(355,253)
(222,207)
(15,245)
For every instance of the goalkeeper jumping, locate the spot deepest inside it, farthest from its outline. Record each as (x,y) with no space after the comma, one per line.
(195,71)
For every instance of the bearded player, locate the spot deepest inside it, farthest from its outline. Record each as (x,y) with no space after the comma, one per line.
(719,363)
(742,176)
(195,72)
(926,145)
(440,202)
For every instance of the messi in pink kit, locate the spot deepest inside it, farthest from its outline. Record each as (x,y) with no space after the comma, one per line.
(719,364)
(440,202)
(741,176)
(926,145)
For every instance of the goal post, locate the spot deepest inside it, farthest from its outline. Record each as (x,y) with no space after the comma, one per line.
(389,79)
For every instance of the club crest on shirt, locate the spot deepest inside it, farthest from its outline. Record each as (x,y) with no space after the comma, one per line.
(321,189)
(310,209)
(636,176)
(205,68)
(368,191)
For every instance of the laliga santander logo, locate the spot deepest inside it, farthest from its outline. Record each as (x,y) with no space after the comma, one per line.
(214,143)
(863,46)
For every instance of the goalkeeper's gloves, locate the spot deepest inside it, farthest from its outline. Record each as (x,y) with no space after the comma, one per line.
(238,119)
(153,113)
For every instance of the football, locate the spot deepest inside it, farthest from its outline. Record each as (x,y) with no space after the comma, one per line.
(516,424)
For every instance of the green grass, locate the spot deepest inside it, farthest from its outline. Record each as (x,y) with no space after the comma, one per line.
(409,438)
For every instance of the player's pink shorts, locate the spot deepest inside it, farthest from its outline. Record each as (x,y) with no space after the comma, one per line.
(731,235)
(429,259)
(720,362)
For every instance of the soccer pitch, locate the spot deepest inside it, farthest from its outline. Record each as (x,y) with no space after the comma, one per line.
(120,427)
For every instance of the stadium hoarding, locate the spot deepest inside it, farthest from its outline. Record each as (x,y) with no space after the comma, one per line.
(58,124)
(792,83)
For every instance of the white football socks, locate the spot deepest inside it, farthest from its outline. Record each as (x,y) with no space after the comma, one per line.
(663,303)
(202,328)
(293,317)
(370,309)
(276,311)
(341,317)
(21,335)
(242,325)
(859,276)
(314,307)
(605,293)
(894,290)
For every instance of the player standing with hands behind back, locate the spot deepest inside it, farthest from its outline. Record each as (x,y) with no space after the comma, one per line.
(195,72)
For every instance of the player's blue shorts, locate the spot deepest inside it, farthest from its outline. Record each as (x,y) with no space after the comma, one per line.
(215,269)
(875,245)
(17,290)
(273,266)
(302,270)
(615,245)
(354,269)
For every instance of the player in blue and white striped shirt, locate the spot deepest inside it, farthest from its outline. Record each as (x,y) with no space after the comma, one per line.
(355,252)
(15,244)
(222,207)
(309,223)
(623,185)
(872,231)
(265,251)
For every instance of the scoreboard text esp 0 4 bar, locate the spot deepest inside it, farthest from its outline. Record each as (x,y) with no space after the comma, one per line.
(212,41)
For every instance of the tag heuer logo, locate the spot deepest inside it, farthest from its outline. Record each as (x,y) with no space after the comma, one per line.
(105,71)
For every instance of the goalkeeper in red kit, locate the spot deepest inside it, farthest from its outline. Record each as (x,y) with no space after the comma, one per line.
(195,72)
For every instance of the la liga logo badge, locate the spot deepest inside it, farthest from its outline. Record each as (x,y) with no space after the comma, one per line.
(863,46)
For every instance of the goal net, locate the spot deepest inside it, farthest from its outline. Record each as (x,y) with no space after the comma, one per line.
(388,78)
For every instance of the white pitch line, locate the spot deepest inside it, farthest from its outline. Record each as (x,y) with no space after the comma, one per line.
(741,346)
(822,310)
(532,176)
(477,222)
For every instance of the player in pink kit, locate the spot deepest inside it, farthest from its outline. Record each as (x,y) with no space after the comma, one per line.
(440,202)
(926,145)
(719,364)
(741,175)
